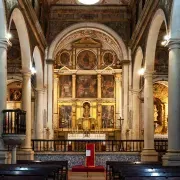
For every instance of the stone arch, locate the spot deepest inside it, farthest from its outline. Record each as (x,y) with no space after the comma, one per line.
(11,79)
(3,29)
(136,100)
(158,19)
(39,67)
(137,66)
(23,35)
(95,26)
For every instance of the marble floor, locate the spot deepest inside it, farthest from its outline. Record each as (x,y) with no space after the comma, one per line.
(83,176)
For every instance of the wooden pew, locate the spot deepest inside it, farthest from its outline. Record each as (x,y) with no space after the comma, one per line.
(63,166)
(30,170)
(149,170)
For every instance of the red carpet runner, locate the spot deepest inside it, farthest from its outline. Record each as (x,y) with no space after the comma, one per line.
(81,168)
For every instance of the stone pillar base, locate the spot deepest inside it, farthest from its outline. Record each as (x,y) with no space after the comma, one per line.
(25,154)
(171,159)
(149,155)
(5,157)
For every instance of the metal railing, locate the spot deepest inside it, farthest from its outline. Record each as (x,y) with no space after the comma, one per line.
(80,145)
(100,145)
(14,121)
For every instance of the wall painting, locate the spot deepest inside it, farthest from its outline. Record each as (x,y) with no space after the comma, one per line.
(65,117)
(108,116)
(86,60)
(107,86)
(86,86)
(15,94)
(65,86)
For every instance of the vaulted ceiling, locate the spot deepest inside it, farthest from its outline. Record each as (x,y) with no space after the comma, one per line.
(104,2)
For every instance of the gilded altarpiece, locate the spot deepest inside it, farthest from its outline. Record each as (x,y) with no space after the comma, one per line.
(86,89)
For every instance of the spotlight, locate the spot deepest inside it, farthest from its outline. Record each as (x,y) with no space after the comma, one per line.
(141,71)
(9,35)
(33,70)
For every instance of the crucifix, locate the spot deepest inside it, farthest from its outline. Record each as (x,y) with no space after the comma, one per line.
(120,127)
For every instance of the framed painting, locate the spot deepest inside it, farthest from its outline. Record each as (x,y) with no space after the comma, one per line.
(108,58)
(86,86)
(15,94)
(86,60)
(65,116)
(107,86)
(107,116)
(66,86)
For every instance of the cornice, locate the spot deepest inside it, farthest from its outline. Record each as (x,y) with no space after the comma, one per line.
(143,21)
(34,24)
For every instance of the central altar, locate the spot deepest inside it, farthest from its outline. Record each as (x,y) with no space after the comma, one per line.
(82,136)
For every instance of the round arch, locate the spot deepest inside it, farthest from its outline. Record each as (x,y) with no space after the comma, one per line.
(3,29)
(137,66)
(96,26)
(158,19)
(39,68)
(23,35)
(11,79)
(136,100)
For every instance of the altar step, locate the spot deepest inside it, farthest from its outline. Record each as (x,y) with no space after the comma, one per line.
(83,176)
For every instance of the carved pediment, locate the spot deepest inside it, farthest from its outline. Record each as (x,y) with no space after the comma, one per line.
(86,42)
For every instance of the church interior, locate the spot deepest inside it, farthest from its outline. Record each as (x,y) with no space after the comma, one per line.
(74,72)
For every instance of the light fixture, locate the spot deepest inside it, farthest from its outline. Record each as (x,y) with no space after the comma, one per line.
(165,41)
(166,37)
(141,71)
(88,2)
(33,70)
(9,36)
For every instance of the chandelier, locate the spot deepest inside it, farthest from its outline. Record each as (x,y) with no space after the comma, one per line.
(88,2)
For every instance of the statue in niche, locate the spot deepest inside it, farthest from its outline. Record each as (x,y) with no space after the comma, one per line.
(86,123)
(159,120)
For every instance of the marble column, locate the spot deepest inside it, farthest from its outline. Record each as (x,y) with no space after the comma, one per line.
(3,93)
(172,157)
(148,153)
(26,106)
(50,98)
(118,80)
(125,81)
(136,112)
(39,117)
(56,96)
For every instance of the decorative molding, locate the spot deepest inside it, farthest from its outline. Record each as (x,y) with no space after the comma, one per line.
(34,24)
(143,21)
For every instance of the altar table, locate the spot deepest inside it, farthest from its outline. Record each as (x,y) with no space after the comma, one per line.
(81,136)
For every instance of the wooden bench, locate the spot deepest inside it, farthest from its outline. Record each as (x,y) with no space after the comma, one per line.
(149,170)
(52,172)
(63,166)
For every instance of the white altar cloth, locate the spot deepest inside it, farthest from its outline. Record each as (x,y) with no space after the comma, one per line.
(78,136)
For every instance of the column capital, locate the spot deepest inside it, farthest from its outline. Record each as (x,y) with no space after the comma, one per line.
(148,74)
(4,43)
(174,43)
(74,75)
(99,76)
(26,72)
(56,76)
(125,62)
(40,90)
(50,61)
